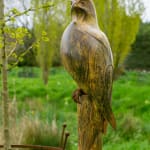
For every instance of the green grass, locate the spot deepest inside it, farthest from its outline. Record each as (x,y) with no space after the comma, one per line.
(130,101)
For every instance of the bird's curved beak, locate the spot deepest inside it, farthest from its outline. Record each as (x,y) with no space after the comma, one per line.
(74,3)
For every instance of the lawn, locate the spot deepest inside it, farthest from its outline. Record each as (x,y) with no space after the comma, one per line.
(131,105)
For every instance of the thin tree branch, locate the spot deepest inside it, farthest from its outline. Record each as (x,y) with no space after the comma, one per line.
(21,55)
(12,51)
(27,11)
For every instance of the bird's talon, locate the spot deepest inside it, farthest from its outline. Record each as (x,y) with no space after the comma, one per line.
(79,100)
(77,95)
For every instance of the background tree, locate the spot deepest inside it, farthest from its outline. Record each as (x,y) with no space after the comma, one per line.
(140,55)
(48,25)
(11,37)
(119,19)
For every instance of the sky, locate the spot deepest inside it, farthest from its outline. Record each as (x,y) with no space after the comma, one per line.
(146,15)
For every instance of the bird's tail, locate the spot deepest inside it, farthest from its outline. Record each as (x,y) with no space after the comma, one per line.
(108,118)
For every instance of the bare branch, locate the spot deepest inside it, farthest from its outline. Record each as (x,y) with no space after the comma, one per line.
(27,11)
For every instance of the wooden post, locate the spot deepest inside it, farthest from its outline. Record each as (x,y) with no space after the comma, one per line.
(4,79)
(87,131)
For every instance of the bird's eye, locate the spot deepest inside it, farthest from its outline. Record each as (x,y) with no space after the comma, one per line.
(82,2)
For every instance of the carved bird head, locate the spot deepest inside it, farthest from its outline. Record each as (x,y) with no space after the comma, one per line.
(83,10)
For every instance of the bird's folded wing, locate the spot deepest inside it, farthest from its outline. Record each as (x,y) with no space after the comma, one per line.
(97,34)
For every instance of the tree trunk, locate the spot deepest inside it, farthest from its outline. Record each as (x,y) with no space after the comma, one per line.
(4,80)
(89,136)
(45,74)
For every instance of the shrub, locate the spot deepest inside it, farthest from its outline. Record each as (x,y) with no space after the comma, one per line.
(36,132)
